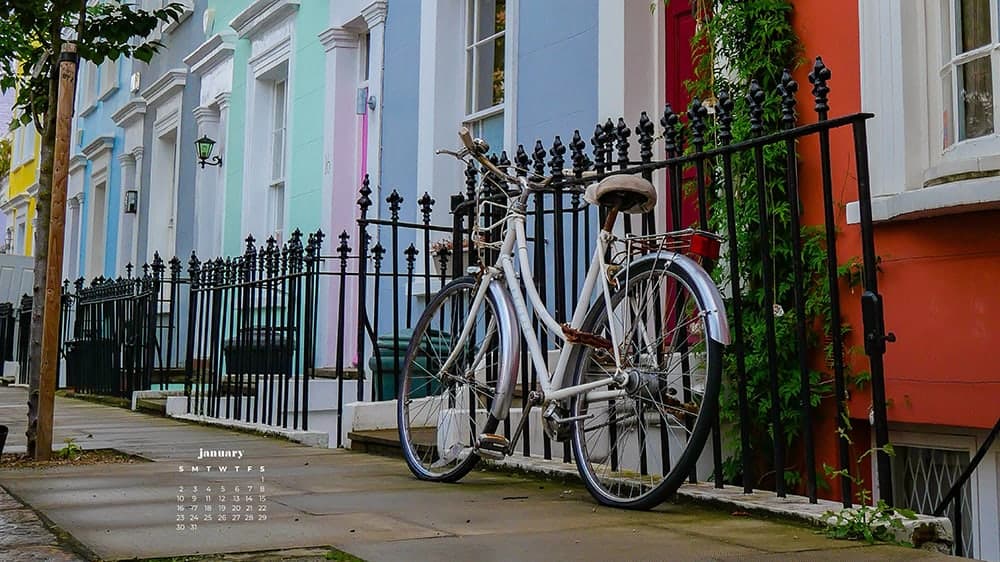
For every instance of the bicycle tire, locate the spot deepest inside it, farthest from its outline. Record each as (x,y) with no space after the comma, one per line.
(423,387)
(640,489)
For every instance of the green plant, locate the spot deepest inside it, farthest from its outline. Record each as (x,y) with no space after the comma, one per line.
(335,554)
(761,52)
(70,451)
(5,156)
(871,523)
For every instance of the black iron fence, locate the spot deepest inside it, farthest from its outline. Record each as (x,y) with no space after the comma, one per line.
(241,336)
(743,184)
(251,334)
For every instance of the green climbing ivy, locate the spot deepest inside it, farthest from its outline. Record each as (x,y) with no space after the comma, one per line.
(755,39)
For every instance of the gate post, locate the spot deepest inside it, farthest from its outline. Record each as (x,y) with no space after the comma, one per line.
(873,319)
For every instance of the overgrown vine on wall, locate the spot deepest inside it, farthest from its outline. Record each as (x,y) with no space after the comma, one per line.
(735,43)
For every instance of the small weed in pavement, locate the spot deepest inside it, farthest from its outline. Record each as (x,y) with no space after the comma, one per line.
(342,556)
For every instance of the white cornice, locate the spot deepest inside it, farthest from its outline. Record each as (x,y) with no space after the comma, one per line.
(204,114)
(135,108)
(32,190)
(261,14)
(98,145)
(16,202)
(76,162)
(166,85)
(223,99)
(374,13)
(216,49)
(338,37)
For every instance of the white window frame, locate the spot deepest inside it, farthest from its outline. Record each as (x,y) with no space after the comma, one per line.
(913,175)
(948,73)
(276,188)
(475,117)
(984,489)
(24,150)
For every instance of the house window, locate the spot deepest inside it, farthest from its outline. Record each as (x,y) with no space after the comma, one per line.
(967,75)
(922,476)
(25,149)
(486,69)
(366,49)
(279,141)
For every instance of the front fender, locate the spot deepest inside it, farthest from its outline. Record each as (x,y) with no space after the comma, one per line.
(510,351)
(701,283)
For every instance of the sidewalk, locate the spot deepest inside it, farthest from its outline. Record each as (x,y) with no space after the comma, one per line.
(365,505)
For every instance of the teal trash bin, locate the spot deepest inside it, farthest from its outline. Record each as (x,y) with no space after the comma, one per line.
(383,364)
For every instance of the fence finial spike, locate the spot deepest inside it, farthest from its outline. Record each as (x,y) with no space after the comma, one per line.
(622,133)
(755,98)
(724,116)
(365,201)
(697,114)
(644,130)
(557,162)
(818,78)
(538,158)
(426,203)
(521,160)
(343,249)
(788,88)
(577,155)
(669,122)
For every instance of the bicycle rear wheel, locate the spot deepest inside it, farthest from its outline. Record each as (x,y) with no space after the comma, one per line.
(441,412)
(635,444)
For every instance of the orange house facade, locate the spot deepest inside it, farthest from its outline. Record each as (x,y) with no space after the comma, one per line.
(927,70)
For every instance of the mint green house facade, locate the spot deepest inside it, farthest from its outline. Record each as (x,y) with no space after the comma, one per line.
(290,91)
(280,83)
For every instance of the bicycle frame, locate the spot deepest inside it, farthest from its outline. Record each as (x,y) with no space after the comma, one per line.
(551,383)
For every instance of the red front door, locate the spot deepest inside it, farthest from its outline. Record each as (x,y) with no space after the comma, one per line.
(680,28)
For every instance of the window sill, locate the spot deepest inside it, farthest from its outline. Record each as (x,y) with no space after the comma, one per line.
(88,109)
(186,12)
(108,93)
(951,198)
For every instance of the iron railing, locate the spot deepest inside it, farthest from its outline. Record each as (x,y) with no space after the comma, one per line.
(245,331)
(701,183)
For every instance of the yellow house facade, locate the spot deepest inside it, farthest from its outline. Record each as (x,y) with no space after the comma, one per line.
(22,190)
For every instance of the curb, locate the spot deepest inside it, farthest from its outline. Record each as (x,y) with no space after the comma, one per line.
(308,438)
(925,532)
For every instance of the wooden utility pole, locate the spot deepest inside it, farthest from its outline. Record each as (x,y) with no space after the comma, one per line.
(57,226)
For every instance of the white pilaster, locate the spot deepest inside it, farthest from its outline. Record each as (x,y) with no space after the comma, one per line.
(127,224)
(207,233)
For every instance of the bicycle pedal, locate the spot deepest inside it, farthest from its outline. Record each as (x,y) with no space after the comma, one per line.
(492,445)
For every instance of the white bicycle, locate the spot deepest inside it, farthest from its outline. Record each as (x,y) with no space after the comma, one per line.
(636,381)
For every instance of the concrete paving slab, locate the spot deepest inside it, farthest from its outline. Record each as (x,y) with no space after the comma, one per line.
(601,543)
(367,505)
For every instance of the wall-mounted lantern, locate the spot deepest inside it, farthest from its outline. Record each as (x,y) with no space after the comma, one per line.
(205,146)
(131,202)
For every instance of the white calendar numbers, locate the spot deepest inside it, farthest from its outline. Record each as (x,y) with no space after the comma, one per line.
(219,486)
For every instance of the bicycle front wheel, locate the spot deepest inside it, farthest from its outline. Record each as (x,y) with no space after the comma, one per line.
(635,443)
(442,407)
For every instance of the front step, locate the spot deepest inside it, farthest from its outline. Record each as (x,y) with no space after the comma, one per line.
(157,406)
(385,442)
